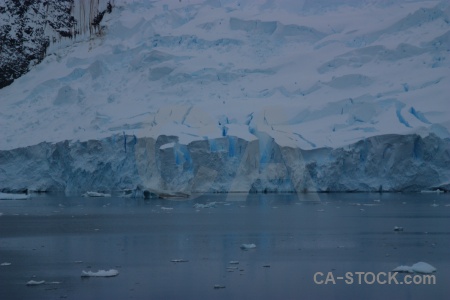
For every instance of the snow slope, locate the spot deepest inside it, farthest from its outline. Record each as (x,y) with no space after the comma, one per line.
(307,73)
(301,74)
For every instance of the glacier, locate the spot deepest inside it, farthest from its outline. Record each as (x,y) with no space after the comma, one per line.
(387,163)
(236,96)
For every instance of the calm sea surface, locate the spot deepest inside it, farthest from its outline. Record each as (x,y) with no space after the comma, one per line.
(55,238)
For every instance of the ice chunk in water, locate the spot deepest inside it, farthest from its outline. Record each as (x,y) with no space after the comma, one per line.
(96,194)
(32,282)
(100,273)
(178,260)
(420,267)
(247,246)
(423,267)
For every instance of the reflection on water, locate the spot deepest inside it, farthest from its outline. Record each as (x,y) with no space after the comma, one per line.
(54,238)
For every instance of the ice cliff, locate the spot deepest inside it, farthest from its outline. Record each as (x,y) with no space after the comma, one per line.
(381,163)
(197,95)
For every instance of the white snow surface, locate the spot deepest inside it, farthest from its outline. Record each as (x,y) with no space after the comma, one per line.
(309,74)
(100,273)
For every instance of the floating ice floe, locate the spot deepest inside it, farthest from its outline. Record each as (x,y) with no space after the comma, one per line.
(5,264)
(7,196)
(209,205)
(420,267)
(178,260)
(248,246)
(96,194)
(32,282)
(100,273)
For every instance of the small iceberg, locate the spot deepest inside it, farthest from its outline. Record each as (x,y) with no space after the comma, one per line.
(248,246)
(8,196)
(100,273)
(420,267)
(32,282)
(423,267)
(95,194)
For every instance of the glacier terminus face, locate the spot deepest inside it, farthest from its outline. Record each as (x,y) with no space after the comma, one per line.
(143,165)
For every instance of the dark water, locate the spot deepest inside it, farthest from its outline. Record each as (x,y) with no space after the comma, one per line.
(45,238)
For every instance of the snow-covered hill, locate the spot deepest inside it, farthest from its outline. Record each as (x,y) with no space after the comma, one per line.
(305,75)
